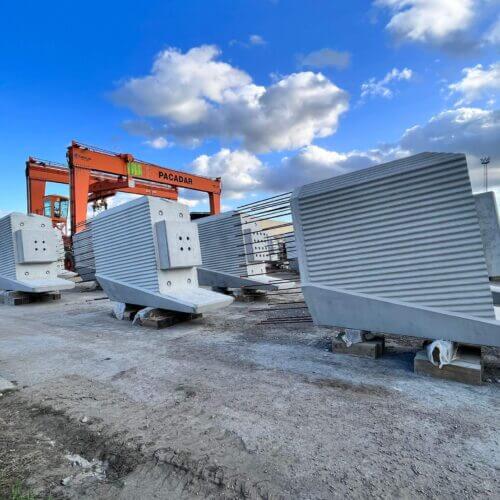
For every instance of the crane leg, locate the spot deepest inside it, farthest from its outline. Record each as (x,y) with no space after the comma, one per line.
(36,193)
(214,203)
(79,192)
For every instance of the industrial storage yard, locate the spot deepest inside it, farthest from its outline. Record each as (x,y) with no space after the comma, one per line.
(250,250)
(336,341)
(225,407)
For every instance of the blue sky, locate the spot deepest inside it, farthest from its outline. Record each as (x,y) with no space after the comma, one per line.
(83,70)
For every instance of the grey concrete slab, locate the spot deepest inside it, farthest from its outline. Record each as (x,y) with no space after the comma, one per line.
(489,223)
(337,307)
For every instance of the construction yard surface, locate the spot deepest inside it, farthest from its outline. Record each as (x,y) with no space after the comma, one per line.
(224,407)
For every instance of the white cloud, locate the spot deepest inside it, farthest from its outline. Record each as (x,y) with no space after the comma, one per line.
(181,86)
(477,83)
(381,87)
(240,171)
(429,21)
(190,202)
(469,130)
(493,35)
(313,163)
(472,131)
(256,40)
(193,96)
(121,198)
(158,143)
(325,58)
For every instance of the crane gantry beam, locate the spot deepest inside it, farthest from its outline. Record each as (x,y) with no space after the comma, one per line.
(94,174)
(85,161)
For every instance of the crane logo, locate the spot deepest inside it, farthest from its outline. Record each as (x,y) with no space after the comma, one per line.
(134,168)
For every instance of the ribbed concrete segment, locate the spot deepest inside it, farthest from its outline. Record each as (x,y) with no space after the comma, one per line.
(124,246)
(7,253)
(145,253)
(405,230)
(230,245)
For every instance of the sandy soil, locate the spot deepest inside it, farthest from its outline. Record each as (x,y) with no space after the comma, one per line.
(224,407)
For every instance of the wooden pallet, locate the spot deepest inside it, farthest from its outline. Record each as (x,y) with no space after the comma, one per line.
(22,298)
(158,318)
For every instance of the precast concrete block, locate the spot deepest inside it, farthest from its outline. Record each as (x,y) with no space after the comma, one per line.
(146,252)
(30,254)
(399,246)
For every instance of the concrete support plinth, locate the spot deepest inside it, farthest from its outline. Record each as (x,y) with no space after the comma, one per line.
(367,349)
(467,368)
(10,298)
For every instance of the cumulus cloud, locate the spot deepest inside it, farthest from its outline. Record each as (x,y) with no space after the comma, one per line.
(190,202)
(256,40)
(313,163)
(193,96)
(324,58)
(158,143)
(477,83)
(240,171)
(181,86)
(438,22)
(472,131)
(382,88)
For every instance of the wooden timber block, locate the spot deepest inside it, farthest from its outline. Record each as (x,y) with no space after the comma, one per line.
(367,349)
(11,298)
(249,295)
(467,368)
(156,318)
(168,319)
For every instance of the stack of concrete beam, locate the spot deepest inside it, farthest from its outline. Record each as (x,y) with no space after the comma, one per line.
(83,254)
(29,254)
(273,246)
(291,254)
(234,252)
(146,252)
(397,248)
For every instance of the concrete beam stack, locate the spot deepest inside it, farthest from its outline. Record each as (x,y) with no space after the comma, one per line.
(234,252)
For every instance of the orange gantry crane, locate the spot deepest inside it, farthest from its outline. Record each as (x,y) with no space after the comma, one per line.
(94,174)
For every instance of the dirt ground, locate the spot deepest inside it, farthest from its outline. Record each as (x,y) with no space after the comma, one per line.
(224,407)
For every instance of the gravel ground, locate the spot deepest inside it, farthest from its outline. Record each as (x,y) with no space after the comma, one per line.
(224,407)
